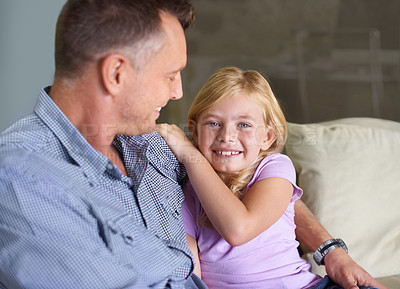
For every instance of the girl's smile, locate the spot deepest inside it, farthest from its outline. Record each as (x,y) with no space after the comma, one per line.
(223,153)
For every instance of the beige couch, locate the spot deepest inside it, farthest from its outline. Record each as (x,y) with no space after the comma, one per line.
(349,170)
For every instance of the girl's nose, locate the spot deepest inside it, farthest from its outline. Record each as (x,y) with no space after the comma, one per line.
(227,134)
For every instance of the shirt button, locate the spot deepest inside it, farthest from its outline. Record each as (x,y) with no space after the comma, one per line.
(129,239)
(110,166)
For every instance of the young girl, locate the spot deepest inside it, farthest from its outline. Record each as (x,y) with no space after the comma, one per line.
(239,206)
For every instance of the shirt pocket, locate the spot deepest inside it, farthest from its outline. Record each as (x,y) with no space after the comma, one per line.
(160,197)
(172,203)
(139,249)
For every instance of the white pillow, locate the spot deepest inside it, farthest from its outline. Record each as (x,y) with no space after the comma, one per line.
(349,170)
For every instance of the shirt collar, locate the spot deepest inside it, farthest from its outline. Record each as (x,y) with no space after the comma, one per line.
(150,147)
(90,160)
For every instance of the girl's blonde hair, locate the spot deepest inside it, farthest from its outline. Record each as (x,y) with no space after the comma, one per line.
(224,83)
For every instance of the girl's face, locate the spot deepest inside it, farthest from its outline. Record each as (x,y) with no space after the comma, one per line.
(231,133)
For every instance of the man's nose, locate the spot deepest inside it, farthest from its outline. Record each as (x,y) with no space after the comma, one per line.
(177,91)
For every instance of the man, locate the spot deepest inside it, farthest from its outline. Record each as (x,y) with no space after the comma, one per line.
(74,210)
(86,201)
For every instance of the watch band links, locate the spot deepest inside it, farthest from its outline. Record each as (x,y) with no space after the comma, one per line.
(326,247)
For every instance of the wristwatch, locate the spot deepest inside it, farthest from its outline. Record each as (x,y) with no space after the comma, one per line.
(327,247)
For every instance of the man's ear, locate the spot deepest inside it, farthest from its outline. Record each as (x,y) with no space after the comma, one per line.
(113,70)
(268,140)
(192,126)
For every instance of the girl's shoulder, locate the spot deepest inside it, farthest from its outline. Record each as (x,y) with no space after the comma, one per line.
(276,165)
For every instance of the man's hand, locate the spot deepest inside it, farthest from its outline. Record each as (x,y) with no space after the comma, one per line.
(344,271)
(339,266)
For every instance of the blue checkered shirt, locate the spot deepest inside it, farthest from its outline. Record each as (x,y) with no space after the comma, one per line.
(70,219)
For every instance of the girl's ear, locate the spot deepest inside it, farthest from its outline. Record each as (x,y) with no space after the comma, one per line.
(269,139)
(192,126)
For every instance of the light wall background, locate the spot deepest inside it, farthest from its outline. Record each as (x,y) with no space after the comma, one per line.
(251,34)
(26,54)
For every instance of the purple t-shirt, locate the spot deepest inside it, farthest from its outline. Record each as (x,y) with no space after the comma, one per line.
(270,260)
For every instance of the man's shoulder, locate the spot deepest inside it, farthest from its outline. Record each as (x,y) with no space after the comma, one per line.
(161,157)
(158,148)
(25,137)
(29,159)
(28,130)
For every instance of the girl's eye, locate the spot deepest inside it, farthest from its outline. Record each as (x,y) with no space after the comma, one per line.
(213,123)
(244,125)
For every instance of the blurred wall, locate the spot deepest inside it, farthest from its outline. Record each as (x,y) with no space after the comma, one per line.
(26,54)
(347,71)
(251,34)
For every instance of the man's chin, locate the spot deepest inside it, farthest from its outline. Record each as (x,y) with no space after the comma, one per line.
(140,129)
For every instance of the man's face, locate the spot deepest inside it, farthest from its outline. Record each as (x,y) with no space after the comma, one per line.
(158,81)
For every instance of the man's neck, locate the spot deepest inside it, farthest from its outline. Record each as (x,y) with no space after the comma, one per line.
(82,105)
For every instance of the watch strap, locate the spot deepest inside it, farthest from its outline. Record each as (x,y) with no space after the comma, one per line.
(326,247)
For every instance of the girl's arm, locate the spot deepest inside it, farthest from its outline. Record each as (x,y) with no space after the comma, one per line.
(192,245)
(236,221)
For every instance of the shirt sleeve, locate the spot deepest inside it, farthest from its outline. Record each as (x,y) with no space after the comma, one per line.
(278,165)
(49,238)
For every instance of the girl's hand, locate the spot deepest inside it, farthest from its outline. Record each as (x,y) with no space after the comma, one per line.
(179,143)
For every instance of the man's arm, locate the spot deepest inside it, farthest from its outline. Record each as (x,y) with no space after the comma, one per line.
(29,261)
(50,237)
(308,229)
(340,267)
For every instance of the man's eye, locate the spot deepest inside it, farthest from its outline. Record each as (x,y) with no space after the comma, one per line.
(172,77)
(244,125)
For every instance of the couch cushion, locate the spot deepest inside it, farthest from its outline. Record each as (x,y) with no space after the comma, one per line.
(391,282)
(349,170)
